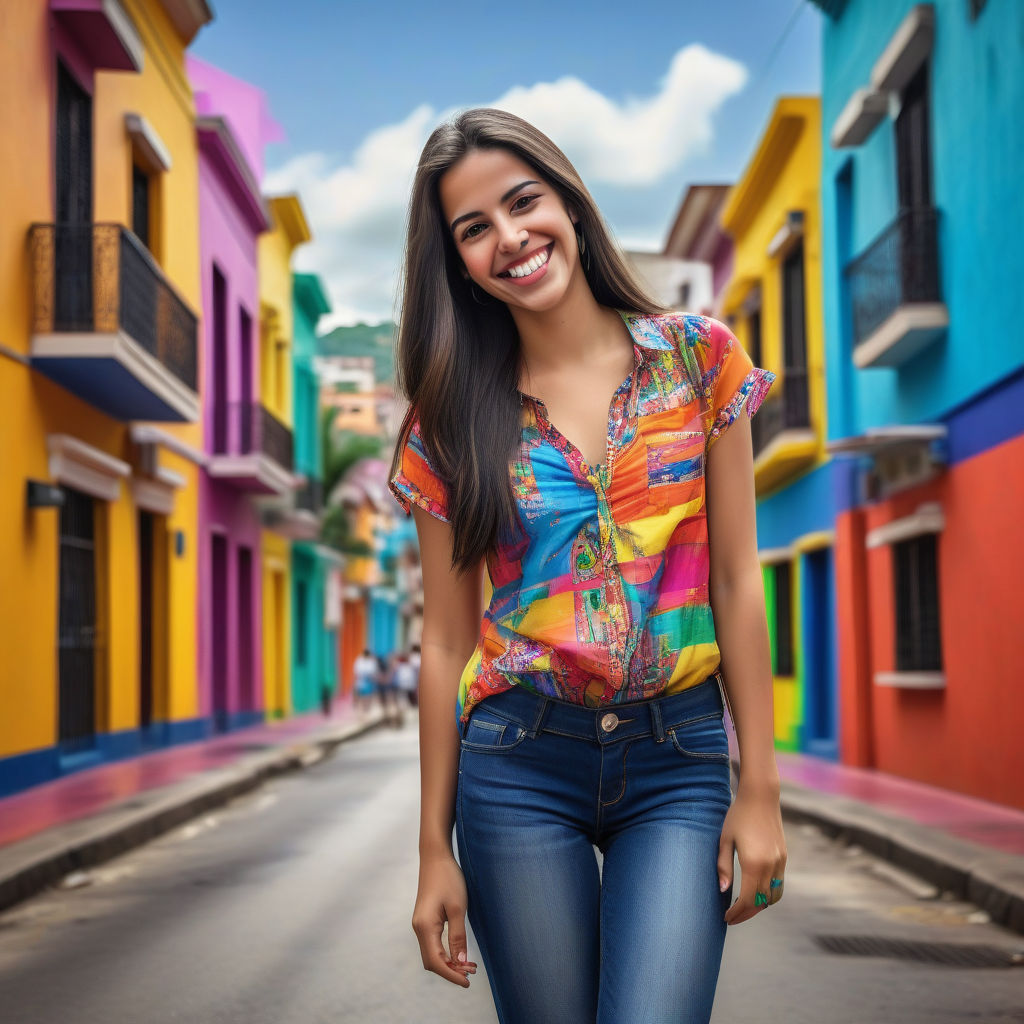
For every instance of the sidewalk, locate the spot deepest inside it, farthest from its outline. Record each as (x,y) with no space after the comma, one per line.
(73,823)
(972,848)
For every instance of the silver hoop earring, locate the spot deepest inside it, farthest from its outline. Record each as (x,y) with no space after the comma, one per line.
(472,291)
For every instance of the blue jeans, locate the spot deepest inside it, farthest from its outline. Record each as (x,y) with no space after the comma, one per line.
(541,783)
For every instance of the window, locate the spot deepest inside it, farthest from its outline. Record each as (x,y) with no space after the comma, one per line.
(754,336)
(913,144)
(794,342)
(915,579)
(140,205)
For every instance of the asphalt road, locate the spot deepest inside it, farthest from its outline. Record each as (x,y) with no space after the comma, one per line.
(292,905)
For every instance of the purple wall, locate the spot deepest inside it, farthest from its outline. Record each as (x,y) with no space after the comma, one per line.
(228,242)
(242,105)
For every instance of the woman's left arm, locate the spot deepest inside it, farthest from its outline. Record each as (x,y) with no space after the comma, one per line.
(754,821)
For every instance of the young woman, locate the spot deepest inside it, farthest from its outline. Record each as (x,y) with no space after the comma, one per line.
(571,435)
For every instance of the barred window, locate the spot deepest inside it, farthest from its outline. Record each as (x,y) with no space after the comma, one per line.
(916,583)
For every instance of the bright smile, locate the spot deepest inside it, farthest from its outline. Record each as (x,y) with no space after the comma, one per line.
(530,269)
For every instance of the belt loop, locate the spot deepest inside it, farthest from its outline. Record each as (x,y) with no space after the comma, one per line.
(656,722)
(538,721)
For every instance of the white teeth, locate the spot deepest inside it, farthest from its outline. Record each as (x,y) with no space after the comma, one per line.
(530,265)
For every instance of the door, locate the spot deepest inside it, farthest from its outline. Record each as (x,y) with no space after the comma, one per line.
(219,639)
(76,624)
(220,363)
(146,613)
(917,229)
(820,721)
(246,635)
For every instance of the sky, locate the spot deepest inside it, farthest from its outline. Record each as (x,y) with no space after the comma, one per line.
(644,96)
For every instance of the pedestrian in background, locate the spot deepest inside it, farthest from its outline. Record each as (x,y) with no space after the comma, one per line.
(609,530)
(365,669)
(405,680)
(387,688)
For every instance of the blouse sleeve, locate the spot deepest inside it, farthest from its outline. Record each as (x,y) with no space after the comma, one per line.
(733,380)
(416,482)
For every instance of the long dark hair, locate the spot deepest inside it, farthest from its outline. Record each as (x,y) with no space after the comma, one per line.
(458,351)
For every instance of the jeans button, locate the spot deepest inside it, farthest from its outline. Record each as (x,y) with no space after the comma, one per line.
(609,721)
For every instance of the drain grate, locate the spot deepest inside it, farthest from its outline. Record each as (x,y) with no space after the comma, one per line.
(951,954)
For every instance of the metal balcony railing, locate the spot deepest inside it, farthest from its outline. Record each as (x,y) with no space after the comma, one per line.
(249,428)
(788,410)
(901,266)
(98,279)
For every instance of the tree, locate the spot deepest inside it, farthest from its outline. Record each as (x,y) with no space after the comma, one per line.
(342,450)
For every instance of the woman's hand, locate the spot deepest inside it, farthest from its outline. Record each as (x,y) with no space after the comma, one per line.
(754,825)
(442,897)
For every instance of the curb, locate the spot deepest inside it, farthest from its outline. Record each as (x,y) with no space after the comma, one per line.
(989,878)
(29,866)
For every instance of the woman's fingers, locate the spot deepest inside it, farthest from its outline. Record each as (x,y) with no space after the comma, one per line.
(459,955)
(748,904)
(437,959)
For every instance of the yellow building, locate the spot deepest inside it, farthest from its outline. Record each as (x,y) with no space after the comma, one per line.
(289,229)
(99,389)
(773,302)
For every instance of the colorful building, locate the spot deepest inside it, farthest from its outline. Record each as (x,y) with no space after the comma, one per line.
(242,460)
(773,301)
(99,384)
(283,521)
(313,567)
(696,235)
(922,144)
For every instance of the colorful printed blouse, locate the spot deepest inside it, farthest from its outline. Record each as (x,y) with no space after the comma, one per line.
(603,596)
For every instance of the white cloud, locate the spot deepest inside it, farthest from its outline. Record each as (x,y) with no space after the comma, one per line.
(357,210)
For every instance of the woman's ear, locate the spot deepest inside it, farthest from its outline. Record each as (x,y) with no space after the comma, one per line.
(573,215)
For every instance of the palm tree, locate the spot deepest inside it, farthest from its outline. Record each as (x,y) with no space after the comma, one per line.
(341,452)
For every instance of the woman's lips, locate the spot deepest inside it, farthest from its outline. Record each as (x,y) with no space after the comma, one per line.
(536,275)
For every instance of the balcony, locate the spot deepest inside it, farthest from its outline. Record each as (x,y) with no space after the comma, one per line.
(784,438)
(108,326)
(894,292)
(251,449)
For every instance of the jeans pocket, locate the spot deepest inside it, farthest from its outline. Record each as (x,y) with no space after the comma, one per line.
(488,733)
(704,738)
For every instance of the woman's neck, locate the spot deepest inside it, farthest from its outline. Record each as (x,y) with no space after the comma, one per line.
(578,330)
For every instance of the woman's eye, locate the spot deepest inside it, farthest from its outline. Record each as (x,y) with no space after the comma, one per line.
(471,231)
(525,200)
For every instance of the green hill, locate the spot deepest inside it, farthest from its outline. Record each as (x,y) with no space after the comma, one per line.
(376,340)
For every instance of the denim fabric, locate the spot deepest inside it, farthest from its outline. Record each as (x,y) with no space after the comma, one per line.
(541,783)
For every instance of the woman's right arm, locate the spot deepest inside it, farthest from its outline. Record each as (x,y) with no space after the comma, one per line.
(452,609)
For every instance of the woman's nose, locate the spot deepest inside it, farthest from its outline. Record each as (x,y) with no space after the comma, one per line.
(512,239)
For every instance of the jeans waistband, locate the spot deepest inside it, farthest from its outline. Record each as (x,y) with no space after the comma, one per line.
(536,712)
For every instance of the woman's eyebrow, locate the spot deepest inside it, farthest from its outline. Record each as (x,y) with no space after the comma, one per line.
(504,199)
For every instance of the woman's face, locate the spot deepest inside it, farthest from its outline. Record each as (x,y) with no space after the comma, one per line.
(511,229)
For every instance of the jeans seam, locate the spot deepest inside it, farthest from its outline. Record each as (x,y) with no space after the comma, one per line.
(622,791)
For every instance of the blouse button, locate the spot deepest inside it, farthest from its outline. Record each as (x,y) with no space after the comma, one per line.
(609,721)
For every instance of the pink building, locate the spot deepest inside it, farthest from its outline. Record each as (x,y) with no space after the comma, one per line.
(233,125)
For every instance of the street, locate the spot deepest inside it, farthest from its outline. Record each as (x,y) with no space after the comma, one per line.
(293,904)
